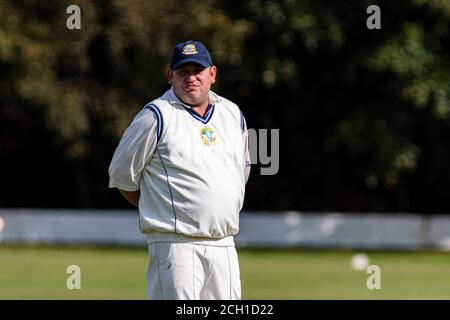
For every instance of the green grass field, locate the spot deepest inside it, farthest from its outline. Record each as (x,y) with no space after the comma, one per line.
(112,273)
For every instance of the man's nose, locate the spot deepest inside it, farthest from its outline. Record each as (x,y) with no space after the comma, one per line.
(191,76)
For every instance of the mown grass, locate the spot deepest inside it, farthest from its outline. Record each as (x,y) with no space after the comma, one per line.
(120,273)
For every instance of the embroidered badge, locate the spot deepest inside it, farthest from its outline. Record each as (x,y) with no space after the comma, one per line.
(208,135)
(189,49)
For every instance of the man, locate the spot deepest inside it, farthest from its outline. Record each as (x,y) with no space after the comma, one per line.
(184,163)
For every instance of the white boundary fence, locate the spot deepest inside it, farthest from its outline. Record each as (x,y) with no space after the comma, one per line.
(257,229)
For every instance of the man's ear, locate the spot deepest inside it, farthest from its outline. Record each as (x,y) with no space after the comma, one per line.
(213,73)
(169,74)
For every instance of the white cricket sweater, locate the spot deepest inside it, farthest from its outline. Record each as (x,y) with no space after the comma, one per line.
(191,171)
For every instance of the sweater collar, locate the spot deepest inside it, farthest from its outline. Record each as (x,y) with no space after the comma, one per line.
(173,99)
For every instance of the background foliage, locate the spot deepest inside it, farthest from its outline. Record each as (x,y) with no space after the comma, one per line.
(363,114)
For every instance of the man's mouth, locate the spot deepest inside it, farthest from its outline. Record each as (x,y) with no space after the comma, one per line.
(191,88)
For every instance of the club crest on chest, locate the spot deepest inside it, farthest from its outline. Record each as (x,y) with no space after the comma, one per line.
(209,136)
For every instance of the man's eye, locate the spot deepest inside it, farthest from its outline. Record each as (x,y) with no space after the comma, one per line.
(184,73)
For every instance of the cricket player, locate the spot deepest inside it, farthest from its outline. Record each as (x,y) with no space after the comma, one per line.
(184,162)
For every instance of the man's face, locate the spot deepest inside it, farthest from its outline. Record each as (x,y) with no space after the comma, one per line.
(191,83)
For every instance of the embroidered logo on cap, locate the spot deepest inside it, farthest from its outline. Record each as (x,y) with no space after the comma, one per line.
(190,49)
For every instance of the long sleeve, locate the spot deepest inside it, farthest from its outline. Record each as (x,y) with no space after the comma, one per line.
(135,149)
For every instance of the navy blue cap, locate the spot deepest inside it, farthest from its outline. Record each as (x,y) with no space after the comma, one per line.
(190,51)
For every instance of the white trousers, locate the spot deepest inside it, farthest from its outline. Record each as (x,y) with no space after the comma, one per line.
(187,271)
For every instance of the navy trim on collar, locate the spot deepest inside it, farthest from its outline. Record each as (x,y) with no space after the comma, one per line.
(206,117)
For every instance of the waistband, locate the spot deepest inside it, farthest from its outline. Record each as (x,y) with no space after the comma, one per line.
(154,237)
